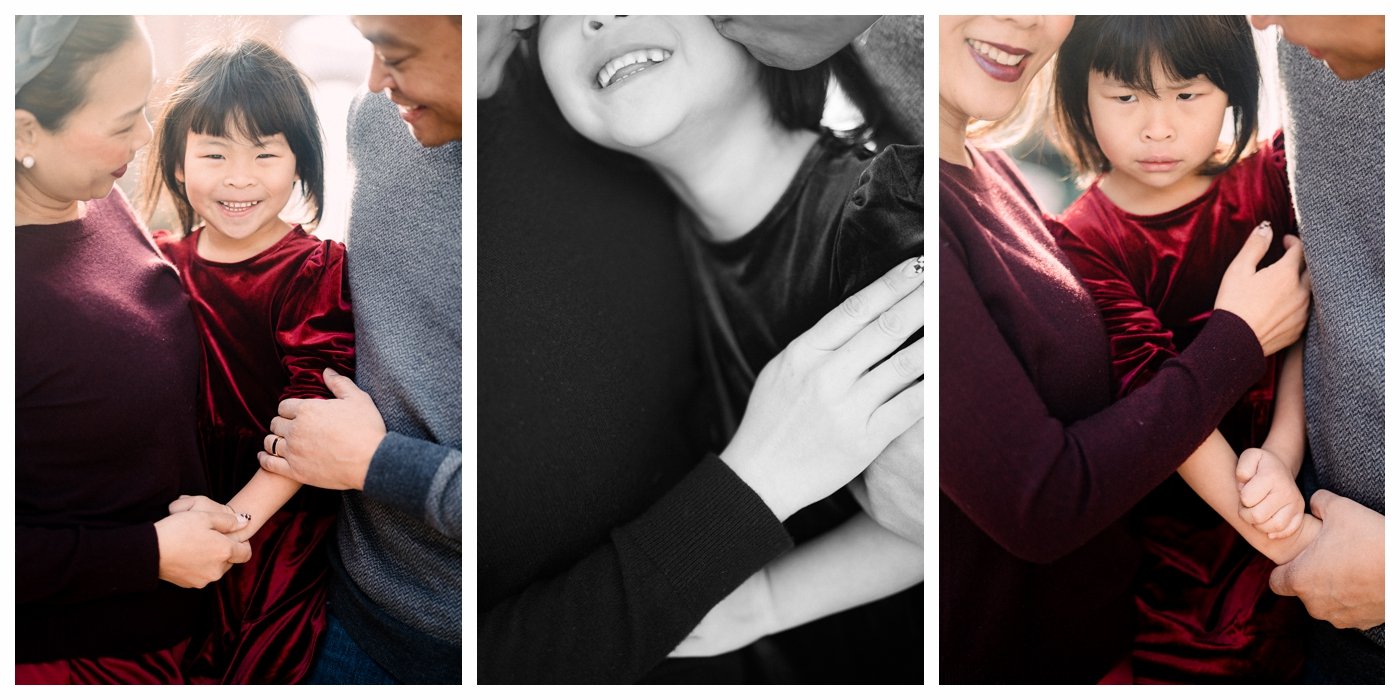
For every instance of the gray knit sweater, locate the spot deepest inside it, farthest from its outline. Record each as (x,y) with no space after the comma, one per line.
(1335,133)
(398,559)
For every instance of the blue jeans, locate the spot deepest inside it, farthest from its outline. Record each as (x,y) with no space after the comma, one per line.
(340,661)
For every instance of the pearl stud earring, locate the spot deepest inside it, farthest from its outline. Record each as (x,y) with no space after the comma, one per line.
(27,162)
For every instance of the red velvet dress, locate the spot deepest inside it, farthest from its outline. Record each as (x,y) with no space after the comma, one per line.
(268,326)
(1205,609)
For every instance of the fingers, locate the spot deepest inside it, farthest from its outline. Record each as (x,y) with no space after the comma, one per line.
(863,307)
(1254,247)
(339,384)
(242,552)
(1293,526)
(287,409)
(1248,465)
(276,465)
(894,374)
(1254,492)
(1321,501)
(899,413)
(181,504)
(1275,517)
(225,522)
(1281,581)
(280,425)
(878,339)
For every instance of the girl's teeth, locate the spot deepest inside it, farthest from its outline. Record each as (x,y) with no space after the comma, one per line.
(996,54)
(610,69)
(237,206)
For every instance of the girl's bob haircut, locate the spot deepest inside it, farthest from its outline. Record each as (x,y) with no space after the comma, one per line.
(1126,47)
(244,90)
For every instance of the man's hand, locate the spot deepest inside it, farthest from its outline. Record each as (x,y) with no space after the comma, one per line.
(325,443)
(1340,577)
(891,490)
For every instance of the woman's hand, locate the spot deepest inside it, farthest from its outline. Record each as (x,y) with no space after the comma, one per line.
(1274,300)
(821,411)
(743,617)
(196,547)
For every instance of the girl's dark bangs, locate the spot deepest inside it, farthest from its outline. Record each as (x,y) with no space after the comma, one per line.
(246,106)
(1128,54)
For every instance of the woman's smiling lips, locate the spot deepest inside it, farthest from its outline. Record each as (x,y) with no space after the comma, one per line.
(119,172)
(1001,62)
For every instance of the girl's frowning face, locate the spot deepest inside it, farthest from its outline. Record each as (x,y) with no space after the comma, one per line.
(629,82)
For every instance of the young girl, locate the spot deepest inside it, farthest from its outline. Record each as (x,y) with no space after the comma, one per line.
(238,136)
(1140,103)
(781,222)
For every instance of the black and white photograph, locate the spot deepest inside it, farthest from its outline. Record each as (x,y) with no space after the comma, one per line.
(700,393)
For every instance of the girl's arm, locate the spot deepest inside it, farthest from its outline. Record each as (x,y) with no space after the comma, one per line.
(1287,433)
(260,498)
(1268,477)
(1210,473)
(857,563)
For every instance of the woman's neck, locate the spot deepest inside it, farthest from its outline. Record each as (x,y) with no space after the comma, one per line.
(952,135)
(32,206)
(730,175)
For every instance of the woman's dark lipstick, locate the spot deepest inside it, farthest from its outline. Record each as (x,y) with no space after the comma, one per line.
(998,71)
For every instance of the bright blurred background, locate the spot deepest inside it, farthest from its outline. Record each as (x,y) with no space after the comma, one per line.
(327,49)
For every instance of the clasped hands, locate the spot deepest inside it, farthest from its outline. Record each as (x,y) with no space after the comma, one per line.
(199,542)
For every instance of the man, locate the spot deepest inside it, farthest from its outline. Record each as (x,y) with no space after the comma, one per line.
(1335,132)
(890,50)
(393,444)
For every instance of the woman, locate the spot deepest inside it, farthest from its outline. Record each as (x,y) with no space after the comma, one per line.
(106,373)
(601,547)
(1036,562)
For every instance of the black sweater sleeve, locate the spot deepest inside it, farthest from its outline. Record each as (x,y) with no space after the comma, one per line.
(618,611)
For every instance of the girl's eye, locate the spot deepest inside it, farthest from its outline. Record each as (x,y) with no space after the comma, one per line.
(267,155)
(1187,96)
(214,156)
(1125,99)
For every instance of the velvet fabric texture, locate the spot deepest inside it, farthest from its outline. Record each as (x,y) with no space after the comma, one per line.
(845,220)
(160,667)
(1205,609)
(268,325)
(1038,465)
(106,375)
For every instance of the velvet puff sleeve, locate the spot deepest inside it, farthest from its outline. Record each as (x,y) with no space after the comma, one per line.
(882,223)
(314,326)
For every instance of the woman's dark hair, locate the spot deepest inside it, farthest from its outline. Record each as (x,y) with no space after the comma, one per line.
(62,87)
(1126,47)
(248,90)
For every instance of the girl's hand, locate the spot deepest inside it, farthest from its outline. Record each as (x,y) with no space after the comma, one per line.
(743,617)
(196,548)
(1274,300)
(1269,496)
(821,411)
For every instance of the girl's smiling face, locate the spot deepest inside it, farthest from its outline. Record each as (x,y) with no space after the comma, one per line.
(629,82)
(239,187)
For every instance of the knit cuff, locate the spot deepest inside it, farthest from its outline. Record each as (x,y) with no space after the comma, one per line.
(709,533)
(420,478)
(1237,359)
